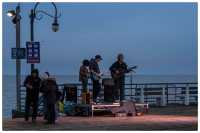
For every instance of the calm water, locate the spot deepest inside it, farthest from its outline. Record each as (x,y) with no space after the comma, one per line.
(9,89)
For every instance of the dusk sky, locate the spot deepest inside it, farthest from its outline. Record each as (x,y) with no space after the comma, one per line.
(160,38)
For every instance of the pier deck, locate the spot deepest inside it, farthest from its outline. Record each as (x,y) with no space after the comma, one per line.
(167,118)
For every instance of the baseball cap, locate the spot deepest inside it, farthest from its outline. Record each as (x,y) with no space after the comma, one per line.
(98,57)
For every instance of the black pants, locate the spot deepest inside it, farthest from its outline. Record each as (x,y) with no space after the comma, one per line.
(31,100)
(45,107)
(119,89)
(85,85)
(51,114)
(96,89)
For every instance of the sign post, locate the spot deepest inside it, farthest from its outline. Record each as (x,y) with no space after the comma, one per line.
(18,53)
(33,52)
(18,62)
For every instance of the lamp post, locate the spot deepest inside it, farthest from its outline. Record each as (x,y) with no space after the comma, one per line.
(33,16)
(15,14)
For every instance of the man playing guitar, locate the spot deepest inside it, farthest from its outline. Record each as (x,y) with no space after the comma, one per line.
(118,70)
(95,76)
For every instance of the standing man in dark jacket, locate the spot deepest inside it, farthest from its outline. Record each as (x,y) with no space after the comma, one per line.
(118,70)
(32,84)
(95,76)
(50,89)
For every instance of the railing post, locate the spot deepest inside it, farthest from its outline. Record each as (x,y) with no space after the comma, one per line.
(163,97)
(142,94)
(167,94)
(187,95)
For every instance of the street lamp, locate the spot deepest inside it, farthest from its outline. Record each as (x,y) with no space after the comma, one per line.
(15,14)
(33,16)
(11,13)
(55,26)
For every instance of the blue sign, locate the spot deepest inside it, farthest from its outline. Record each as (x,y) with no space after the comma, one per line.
(18,53)
(33,52)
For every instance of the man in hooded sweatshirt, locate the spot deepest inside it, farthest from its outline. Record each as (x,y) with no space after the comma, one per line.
(32,84)
(50,89)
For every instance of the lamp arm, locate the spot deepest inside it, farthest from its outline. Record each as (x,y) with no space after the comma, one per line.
(39,17)
(48,14)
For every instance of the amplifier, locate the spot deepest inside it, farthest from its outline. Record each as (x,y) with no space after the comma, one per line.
(108,82)
(82,110)
(70,91)
(108,85)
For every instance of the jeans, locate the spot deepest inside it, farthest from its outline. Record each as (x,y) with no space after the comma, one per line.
(44,106)
(31,100)
(119,89)
(96,89)
(51,114)
(84,85)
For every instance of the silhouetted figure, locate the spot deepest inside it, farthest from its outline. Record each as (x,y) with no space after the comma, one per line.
(118,70)
(84,74)
(44,77)
(95,76)
(50,90)
(32,84)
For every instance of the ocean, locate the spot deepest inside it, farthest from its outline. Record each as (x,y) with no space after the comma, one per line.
(9,87)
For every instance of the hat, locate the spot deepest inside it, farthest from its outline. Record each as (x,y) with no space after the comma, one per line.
(98,57)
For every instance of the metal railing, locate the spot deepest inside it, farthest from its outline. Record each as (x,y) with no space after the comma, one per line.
(160,94)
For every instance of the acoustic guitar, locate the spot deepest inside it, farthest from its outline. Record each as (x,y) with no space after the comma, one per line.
(121,72)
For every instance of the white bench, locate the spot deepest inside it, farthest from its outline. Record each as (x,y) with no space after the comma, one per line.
(96,107)
(103,106)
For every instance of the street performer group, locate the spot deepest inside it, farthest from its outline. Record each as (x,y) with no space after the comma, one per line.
(90,70)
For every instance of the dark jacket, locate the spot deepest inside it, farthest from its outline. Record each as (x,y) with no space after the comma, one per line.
(83,73)
(49,88)
(35,83)
(94,66)
(122,68)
